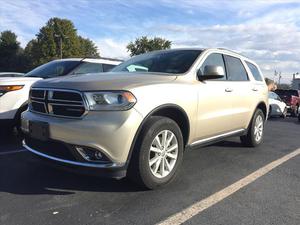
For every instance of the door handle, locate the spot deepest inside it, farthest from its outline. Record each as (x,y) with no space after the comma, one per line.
(254,89)
(228,89)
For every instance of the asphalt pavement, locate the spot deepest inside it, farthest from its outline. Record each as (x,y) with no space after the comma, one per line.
(33,193)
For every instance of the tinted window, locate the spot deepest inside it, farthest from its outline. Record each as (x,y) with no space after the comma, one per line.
(87,67)
(273,95)
(214,59)
(287,92)
(107,67)
(255,72)
(235,69)
(53,69)
(172,61)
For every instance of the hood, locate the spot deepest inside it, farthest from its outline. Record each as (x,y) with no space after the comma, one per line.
(105,81)
(18,79)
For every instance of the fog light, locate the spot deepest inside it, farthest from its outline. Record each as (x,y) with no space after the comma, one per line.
(90,154)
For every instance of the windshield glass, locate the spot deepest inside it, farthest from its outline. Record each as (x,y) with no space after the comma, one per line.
(173,61)
(53,69)
(87,67)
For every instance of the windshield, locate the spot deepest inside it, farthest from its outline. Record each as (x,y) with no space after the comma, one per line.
(53,69)
(173,61)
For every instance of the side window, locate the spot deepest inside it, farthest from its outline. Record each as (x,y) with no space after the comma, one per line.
(107,67)
(255,72)
(277,97)
(235,69)
(88,67)
(272,95)
(214,59)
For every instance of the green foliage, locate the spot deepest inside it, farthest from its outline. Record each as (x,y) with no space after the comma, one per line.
(10,52)
(88,48)
(144,44)
(46,46)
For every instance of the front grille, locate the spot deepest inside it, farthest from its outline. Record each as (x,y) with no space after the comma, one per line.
(51,148)
(64,103)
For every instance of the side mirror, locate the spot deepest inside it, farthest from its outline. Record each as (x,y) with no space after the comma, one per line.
(211,72)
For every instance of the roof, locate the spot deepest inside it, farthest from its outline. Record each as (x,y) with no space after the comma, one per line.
(94,60)
(1,73)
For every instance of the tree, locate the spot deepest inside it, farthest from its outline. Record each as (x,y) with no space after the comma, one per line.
(88,48)
(10,51)
(144,44)
(58,34)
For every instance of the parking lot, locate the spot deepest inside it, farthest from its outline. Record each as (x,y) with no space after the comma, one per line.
(33,193)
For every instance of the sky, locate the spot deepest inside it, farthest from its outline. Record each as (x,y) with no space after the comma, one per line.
(267,31)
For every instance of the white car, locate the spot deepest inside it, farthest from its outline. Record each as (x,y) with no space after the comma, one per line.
(14,91)
(11,74)
(277,107)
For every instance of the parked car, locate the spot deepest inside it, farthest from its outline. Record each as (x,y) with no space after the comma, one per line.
(292,100)
(138,123)
(14,91)
(11,74)
(277,107)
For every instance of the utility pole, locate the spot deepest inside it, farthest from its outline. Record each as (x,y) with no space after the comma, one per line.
(60,36)
(279,78)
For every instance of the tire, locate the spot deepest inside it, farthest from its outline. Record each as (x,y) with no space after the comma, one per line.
(251,139)
(140,170)
(270,112)
(284,113)
(18,120)
(294,113)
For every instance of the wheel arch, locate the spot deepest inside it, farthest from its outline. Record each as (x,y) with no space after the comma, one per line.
(171,111)
(263,107)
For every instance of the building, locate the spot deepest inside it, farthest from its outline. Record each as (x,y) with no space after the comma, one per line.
(296,81)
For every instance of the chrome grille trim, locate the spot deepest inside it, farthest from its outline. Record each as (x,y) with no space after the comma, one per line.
(50,102)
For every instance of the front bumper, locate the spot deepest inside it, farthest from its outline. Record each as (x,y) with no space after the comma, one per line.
(110,133)
(111,170)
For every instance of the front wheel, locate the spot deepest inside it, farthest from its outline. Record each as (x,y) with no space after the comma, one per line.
(284,113)
(255,132)
(157,157)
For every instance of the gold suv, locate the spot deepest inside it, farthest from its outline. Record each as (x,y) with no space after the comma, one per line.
(137,120)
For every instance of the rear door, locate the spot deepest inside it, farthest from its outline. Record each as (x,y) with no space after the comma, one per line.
(243,92)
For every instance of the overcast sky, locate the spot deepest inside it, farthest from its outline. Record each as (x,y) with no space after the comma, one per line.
(266,31)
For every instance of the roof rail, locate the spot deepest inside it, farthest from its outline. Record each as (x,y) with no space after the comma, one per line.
(232,51)
(105,58)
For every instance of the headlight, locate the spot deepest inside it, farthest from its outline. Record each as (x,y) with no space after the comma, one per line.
(8,88)
(110,100)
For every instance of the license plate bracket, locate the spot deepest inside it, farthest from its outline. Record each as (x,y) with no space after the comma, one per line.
(39,130)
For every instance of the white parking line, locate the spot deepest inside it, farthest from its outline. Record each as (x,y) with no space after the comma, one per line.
(201,205)
(12,152)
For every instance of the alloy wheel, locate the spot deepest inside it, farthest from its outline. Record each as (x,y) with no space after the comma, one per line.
(163,154)
(258,128)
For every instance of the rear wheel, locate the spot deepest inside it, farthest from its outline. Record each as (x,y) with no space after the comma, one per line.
(255,132)
(156,159)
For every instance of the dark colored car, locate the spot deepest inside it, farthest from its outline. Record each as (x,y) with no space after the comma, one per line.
(291,99)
